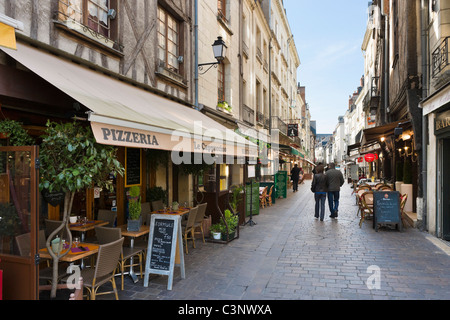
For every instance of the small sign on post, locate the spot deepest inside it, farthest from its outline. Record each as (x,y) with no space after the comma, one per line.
(165,235)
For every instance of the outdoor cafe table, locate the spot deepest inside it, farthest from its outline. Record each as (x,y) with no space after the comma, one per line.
(84,227)
(133,235)
(75,254)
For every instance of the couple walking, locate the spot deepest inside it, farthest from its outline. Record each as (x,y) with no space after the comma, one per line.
(327,184)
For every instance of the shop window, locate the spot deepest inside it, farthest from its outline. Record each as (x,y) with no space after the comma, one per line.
(224,175)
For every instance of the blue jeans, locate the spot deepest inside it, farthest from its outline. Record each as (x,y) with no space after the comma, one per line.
(333,202)
(320,204)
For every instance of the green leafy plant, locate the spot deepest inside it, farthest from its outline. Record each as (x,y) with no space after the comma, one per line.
(232,221)
(72,161)
(217,227)
(134,203)
(17,135)
(236,196)
(224,105)
(156,193)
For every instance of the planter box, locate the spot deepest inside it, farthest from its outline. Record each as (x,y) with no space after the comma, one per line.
(231,236)
(134,225)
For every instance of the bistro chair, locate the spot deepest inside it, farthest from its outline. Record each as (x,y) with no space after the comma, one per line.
(403,199)
(198,223)
(189,228)
(378,186)
(146,212)
(108,235)
(366,206)
(52,225)
(23,244)
(263,198)
(108,215)
(269,197)
(104,271)
(157,205)
(385,187)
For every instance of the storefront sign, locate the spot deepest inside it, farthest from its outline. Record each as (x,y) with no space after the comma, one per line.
(442,122)
(386,207)
(293,130)
(165,235)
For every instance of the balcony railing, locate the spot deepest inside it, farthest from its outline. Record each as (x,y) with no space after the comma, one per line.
(440,57)
(279,124)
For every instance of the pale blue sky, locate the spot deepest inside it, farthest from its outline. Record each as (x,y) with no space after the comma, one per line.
(328,35)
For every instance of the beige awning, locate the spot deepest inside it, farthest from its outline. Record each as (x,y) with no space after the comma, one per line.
(124,115)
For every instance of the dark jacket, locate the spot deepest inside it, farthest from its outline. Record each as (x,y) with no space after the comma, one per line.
(335,180)
(295,174)
(319,183)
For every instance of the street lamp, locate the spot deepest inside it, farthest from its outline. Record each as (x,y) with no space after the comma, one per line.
(219,50)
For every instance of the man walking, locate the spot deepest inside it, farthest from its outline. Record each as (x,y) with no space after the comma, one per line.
(295,175)
(335,182)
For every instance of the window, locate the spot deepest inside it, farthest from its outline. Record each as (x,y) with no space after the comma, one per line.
(168,40)
(221,82)
(222,8)
(91,13)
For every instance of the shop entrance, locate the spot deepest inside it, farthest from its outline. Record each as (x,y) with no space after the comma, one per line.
(445,187)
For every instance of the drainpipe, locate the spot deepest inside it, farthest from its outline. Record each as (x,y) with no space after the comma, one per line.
(386,64)
(424,5)
(196,53)
(270,67)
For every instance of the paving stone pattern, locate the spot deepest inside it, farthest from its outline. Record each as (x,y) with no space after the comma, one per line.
(290,255)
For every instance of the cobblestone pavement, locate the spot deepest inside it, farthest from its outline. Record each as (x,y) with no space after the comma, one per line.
(289,255)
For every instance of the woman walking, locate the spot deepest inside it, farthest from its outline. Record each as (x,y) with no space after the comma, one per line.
(320,188)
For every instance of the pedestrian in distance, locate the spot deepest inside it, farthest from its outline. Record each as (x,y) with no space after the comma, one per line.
(335,182)
(319,186)
(295,175)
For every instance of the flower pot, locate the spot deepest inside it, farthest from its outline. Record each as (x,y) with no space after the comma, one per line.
(134,225)
(216,235)
(73,219)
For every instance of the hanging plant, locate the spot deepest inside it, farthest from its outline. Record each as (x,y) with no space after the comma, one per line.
(14,131)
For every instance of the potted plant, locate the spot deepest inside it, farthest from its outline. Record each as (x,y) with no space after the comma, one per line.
(224,106)
(134,209)
(216,231)
(232,221)
(17,135)
(72,161)
(235,197)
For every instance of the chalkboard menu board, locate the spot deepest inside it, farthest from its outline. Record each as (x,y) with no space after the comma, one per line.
(386,206)
(165,236)
(162,244)
(281,183)
(133,167)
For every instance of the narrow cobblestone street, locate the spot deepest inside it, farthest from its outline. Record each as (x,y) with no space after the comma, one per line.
(289,254)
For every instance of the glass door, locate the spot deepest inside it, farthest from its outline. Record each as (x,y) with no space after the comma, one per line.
(18,222)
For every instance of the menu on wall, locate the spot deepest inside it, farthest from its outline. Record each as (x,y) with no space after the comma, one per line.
(133,167)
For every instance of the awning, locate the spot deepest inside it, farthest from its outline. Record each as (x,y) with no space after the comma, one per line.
(436,101)
(124,115)
(375,134)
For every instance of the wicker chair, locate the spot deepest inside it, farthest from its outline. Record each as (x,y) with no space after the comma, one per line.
(366,206)
(189,228)
(108,215)
(269,197)
(108,235)
(198,223)
(157,205)
(263,198)
(107,257)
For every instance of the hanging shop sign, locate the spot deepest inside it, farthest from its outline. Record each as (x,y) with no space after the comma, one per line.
(293,130)
(360,159)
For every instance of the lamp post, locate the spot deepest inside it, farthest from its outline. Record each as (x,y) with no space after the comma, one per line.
(220,50)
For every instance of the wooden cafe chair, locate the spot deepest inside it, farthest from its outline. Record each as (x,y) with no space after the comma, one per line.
(269,197)
(263,198)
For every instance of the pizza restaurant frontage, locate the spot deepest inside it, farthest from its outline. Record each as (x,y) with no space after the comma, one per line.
(153,134)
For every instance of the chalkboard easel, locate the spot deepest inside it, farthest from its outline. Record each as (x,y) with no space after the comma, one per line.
(165,235)
(386,206)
